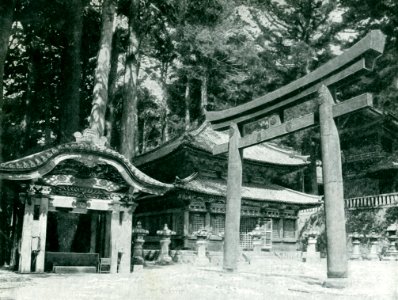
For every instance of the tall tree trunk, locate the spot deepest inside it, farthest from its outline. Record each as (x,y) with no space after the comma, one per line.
(6,19)
(187,105)
(129,124)
(110,117)
(203,95)
(100,99)
(166,109)
(70,104)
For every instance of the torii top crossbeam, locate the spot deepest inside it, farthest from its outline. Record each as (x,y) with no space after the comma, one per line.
(352,62)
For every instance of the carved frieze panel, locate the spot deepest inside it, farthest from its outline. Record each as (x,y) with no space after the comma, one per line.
(271,213)
(251,211)
(217,208)
(197,206)
(289,214)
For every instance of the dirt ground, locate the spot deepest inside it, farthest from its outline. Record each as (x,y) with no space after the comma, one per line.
(265,278)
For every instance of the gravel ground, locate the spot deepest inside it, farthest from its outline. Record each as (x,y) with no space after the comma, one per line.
(266,278)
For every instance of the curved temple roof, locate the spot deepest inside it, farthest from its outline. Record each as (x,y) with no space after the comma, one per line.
(206,138)
(269,193)
(39,164)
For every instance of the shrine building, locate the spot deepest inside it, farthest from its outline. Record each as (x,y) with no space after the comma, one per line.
(78,199)
(199,201)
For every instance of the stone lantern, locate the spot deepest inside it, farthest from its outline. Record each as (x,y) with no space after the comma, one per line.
(138,234)
(392,253)
(202,236)
(165,233)
(312,236)
(356,242)
(374,243)
(257,235)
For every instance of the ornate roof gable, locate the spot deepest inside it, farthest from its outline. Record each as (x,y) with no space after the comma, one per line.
(89,150)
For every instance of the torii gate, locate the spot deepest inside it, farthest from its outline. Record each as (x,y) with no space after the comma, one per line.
(338,71)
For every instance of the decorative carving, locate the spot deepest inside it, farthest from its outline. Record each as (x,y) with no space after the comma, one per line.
(39,189)
(85,193)
(81,203)
(91,136)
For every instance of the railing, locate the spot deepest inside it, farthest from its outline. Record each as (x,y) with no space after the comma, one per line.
(372,201)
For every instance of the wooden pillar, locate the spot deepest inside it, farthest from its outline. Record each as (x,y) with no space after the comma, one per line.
(281,228)
(93,229)
(333,188)
(125,241)
(233,205)
(186,222)
(107,234)
(186,226)
(26,240)
(313,167)
(42,233)
(114,233)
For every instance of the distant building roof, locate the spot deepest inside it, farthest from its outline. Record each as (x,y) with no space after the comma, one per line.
(205,138)
(269,193)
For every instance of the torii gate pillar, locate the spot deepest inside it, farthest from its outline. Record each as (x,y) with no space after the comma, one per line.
(234,191)
(333,188)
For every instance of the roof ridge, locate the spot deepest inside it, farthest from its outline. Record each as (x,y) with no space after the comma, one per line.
(294,191)
(283,150)
(198,130)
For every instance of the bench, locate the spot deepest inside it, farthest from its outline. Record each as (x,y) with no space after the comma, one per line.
(71,262)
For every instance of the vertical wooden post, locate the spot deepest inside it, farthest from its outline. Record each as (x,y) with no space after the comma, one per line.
(114,234)
(42,233)
(186,226)
(333,188)
(281,228)
(107,235)
(125,241)
(93,229)
(26,242)
(233,205)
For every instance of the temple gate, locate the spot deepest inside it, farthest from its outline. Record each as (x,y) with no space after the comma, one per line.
(315,86)
(85,178)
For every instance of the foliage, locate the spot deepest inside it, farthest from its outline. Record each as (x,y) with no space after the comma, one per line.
(391,215)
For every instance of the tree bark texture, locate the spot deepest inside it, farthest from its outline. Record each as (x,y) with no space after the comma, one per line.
(129,122)
(110,115)
(203,95)
(70,103)
(187,106)
(6,19)
(100,93)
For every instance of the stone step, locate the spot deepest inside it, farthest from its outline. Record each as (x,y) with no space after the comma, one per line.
(74,269)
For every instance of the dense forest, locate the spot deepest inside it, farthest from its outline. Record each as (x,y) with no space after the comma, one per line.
(142,72)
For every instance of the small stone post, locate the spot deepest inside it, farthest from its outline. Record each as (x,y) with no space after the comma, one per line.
(374,245)
(392,252)
(356,243)
(138,234)
(164,257)
(201,244)
(312,254)
(257,235)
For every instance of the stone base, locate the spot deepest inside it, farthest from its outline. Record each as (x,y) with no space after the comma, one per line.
(390,258)
(373,257)
(138,268)
(335,283)
(74,269)
(355,257)
(201,262)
